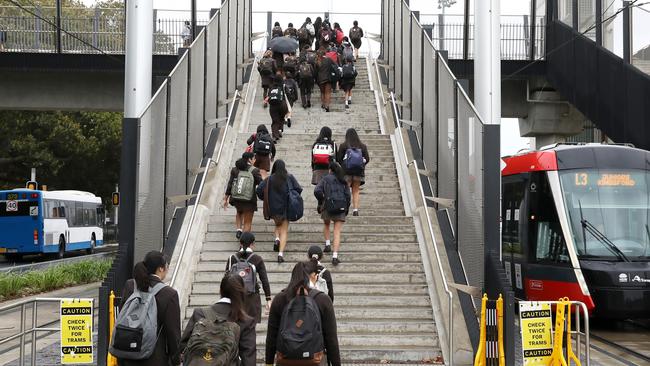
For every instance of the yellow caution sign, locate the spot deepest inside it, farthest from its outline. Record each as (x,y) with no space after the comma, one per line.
(76,331)
(536,332)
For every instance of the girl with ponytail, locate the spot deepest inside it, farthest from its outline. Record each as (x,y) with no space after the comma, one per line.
(315,254)
(252,301)
(334,200)
(151,271)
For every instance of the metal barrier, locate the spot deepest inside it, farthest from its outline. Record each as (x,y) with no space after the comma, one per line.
(32,331)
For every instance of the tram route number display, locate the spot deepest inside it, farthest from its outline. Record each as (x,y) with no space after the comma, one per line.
(76,331)
(536,332)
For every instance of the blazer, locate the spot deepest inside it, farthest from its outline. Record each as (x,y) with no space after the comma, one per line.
(247,343)
(277,202)
(169,326)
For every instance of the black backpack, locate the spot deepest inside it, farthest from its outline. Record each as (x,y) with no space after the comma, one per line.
(262,144)
(291,91)
(310,57)
(276,95)
(291,63)
(335,200)
(303,35)
(300,337)
(355,33)
(266,66)
(277,32)
(305,71)
(348,71)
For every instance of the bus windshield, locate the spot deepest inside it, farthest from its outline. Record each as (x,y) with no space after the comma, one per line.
(609,212)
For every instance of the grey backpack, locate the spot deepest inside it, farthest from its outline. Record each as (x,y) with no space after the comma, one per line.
(246,270)
(243,187)
(136,328)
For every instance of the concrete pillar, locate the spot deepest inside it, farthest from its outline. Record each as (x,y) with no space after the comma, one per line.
(139,48)
(487,60)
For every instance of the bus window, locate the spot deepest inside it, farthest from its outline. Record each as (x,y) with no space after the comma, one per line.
(545,229)
(79,214)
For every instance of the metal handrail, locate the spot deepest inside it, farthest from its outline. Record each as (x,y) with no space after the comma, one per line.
(34,329)
(256,60)
(200,191)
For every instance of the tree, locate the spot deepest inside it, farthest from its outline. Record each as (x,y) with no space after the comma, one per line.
(70,150)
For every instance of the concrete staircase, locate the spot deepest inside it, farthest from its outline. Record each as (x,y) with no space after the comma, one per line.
(382,303)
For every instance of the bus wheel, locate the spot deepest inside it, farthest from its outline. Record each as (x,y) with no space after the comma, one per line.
(61,252)
(93,243)
(13,257)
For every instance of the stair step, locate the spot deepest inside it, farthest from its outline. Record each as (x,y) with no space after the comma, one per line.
(339,288)
(347,248)
(299,227)
(422,300)
(276,277)
(386,269)
(367,313)
(345,237)
(350,221)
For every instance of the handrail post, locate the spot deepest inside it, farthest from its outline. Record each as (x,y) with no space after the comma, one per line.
(533,29)
(21,357)
(34,326)
(58,26)
(627,32)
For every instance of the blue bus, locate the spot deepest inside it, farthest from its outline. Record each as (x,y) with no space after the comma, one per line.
(49,222)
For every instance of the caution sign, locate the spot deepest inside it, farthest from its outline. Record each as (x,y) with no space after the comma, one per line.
(536,332)
(76,331)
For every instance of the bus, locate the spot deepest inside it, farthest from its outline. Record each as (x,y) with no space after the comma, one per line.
(49,222)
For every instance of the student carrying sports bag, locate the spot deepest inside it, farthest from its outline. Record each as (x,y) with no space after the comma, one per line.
(147,330)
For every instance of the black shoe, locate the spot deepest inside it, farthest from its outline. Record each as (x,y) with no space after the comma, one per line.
(289,123)
(280,259)
(327,249)
(304,105)
(355,213)
(308,104)
(349,101)
(347,106)
(238,234)
(327,109)
(265,105)
(276,245)
(335,261)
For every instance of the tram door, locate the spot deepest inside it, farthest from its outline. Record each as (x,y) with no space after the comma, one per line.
(548,271)
(514,228)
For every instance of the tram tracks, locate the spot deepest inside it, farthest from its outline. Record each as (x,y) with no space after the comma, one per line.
(629,346)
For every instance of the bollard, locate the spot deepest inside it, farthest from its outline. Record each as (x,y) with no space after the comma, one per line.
(557,357)
(110,359)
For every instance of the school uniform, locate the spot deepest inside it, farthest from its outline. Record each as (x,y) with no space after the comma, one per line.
(247,340)
(253,301)
(276,204)
(243,206)
(166,351)
(262,161)
(320,170)
(328,325)
(353,176)
(320,192)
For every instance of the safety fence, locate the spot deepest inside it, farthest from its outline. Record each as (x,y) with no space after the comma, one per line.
(85,30)
(167,150)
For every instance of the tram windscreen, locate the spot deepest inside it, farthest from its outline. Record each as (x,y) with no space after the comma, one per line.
(608,208)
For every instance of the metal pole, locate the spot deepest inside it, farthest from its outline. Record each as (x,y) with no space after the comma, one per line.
(627,32)
(193,8)
(21,356)
(139,47)
(269,25)
(533,28)
(487,60)
(34,325)
(575,19)
(599,22)
(58,26)
(441,29)
(466,31)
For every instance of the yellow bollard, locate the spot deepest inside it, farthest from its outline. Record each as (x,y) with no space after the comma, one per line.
(557,356)
(110,359)
(569,346)
(480,353)
(502,354)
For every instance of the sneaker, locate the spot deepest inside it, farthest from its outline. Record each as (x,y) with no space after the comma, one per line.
(280,259)
(347,106)
(289,123)
(349,101)
(327,109)
(355,213)
(238,234)
(276,245)
(335,261)
(327,249)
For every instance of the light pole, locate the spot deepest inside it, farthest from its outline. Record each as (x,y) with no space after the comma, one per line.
(443,4)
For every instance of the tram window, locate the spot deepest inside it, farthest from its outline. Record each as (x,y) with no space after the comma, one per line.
(545,228)
(511,213)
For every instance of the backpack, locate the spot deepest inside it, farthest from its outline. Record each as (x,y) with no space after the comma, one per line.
(310,28)
(353,159)
(335,201)
(247,271)
(335,73)
(322,153)
(300,337)
(321,284)
(305,71)
(332,55)
(243,187)
(348,54)
(295,205)
(303,35)
(262,144)
(355,33)
(214,341)
(339,36)
(136,328)
(291,91)
(348,72)
(310,57)
(325,34)
(291,63)
(276,95)
(266,66)
(277,32)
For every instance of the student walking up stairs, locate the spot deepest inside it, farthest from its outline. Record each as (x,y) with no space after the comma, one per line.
(381,300)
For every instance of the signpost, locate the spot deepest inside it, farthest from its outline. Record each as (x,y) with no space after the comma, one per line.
(76,331)
(536,332)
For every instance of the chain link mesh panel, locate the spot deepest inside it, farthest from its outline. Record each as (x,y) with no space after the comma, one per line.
(447,137)
(407,61)
(417,82)
(211,68)
(196,107)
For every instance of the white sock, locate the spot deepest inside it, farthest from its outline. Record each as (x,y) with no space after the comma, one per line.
(327,243)
(278,239)
(281,254)
(350,97)
(335,255)
(355,210)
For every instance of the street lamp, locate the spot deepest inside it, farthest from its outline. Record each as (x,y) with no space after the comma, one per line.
(443,4)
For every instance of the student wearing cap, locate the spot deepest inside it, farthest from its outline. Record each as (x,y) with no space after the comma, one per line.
(252,300)
(241,173)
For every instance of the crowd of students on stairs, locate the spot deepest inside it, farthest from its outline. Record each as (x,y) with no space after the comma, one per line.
(301,323)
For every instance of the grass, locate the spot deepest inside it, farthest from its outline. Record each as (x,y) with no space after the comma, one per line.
(13,285)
